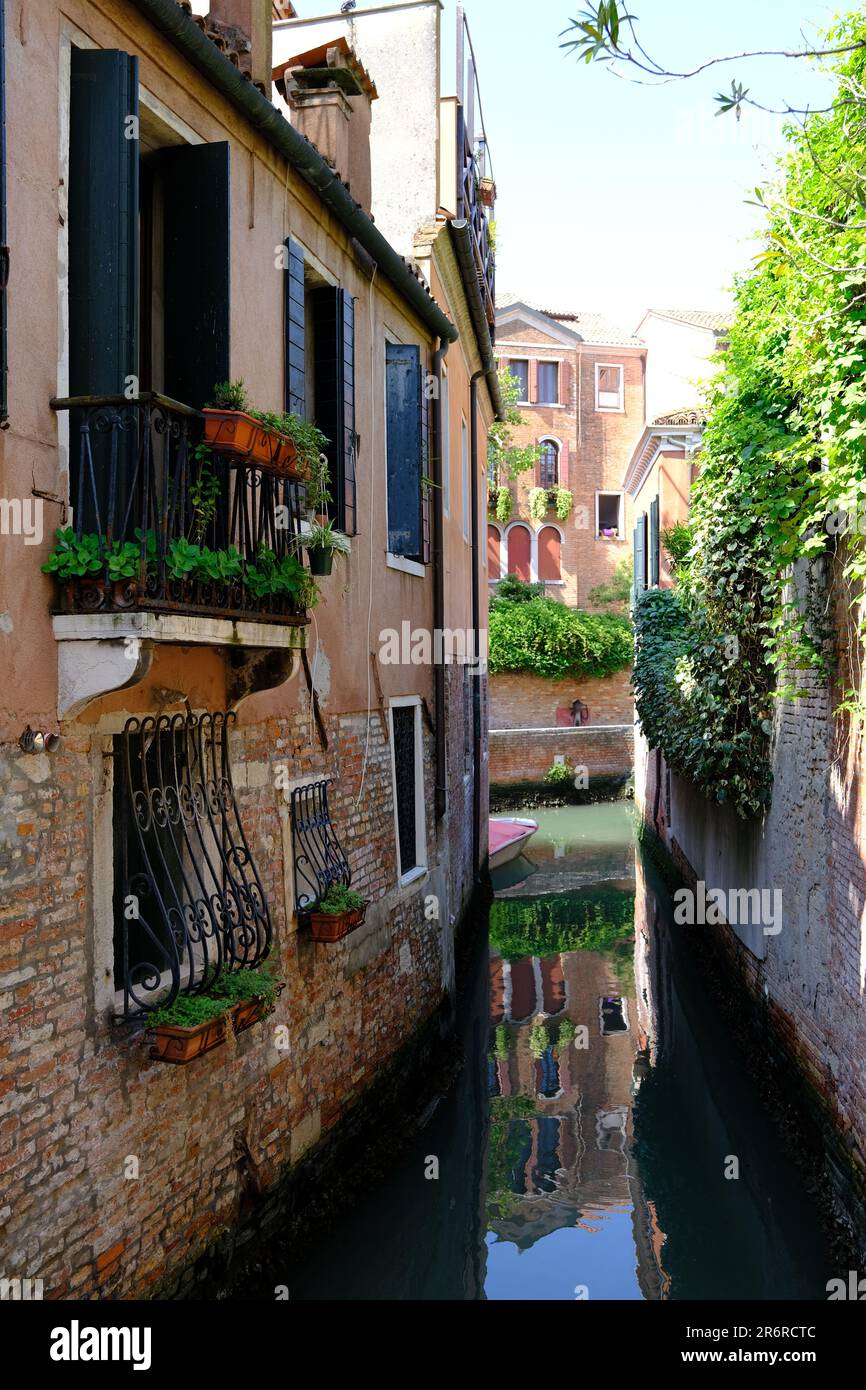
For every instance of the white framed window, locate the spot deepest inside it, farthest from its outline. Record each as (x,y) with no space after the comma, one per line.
(519,369)
(407,772)
(547,385)
(608,516)
(446,445)
(464,463)
(608,386)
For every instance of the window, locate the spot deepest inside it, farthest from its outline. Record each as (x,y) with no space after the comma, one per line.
(608,387)
(520,552)
(608,515)
(188,901)
(494,553)
(548,466)
(548,383)
(549,552)
(519,369)
(464,464)
(404,445)
(319,370)
(446,445)
(614,1015)
(407,752)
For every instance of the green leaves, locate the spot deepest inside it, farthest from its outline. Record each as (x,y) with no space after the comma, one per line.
(74,558)
(547,639)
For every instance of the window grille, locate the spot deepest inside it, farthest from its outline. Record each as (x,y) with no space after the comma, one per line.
(318,854)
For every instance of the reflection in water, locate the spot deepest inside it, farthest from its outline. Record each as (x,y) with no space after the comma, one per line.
(583,1149)
(617,1102)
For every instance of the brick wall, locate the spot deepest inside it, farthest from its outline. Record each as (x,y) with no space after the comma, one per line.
(84,1109)
(806,982)
(524,755)
(519,700)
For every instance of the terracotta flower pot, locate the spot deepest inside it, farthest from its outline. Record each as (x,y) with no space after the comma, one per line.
(236,433)
(251,1011)
(333,926)
(182,1045)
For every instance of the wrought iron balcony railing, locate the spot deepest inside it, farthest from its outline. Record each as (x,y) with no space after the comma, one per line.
(176,526)
(470,207)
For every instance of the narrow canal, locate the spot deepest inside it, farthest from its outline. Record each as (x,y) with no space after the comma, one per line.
(603,1139)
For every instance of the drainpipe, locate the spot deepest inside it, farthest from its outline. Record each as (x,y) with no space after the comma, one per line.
(476,614)
(441,792)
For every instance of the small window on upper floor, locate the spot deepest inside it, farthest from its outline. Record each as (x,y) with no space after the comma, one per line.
(519,369)
(548,383)
(609,515)
(608,387)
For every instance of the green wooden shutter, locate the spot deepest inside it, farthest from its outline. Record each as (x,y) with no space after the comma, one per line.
(654,542)
(196,277)
(103,222)
(333,317)
(640,555)
(295,390)
(403,416)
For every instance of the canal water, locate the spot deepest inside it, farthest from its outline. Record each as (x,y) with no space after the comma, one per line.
(603,1139)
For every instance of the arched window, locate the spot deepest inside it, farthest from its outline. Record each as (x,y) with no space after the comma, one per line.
(548,467)
(520,552)
(494,552)
(549,553)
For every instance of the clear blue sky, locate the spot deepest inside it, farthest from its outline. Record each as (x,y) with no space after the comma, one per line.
(614,196)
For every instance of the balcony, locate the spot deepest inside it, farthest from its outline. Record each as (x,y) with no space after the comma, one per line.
(172,541)
(476,188)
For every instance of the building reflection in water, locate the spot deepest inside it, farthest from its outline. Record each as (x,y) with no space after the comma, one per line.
(570,1040)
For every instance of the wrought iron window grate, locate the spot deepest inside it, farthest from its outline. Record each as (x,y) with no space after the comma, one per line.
(319,857)
(188,901)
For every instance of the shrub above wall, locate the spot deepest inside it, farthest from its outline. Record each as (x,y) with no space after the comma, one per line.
(544,637)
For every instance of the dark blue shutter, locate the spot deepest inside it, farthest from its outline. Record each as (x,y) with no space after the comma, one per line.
(333,317)
(403,414)
(4,249)
(293,311)
(640,555)
(426,541)
(103,222)
(197,270)
(654,542)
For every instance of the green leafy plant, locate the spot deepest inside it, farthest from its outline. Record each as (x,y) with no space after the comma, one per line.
(188,1011)
(563,503)
(504,505)
(230,395)
(339,899)
(123,559)
(539,1039)
(74,557)
(220,566)
(547,639)
(538,503)
(183,558)
(559,773)
(237,986)
(324,536)
(204,491)
(505,459)
(513,589)
(617,589)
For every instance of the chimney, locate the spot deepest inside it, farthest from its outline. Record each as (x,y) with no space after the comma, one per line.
(329,94)
(250,20)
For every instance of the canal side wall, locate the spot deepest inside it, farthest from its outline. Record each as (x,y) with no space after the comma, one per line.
(804,981)
(525,755)
(519,700)
(118,1172)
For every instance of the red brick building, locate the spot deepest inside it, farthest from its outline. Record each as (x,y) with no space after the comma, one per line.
(583,403)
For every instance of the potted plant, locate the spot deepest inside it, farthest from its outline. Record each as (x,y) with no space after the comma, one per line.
(337,913)
(504,504)
(123,561)
(280,443)
(538,503)
(250,994)
(486,191)
(322,542)
(74,558)
(192,1025)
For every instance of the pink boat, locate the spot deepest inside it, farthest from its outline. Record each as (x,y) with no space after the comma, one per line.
(508,837)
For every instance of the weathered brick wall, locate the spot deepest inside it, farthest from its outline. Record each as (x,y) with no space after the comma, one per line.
(519,700)
(84,1107)
(524,755)
(806,982)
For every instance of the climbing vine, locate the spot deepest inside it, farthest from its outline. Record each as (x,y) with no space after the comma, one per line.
(782,472)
